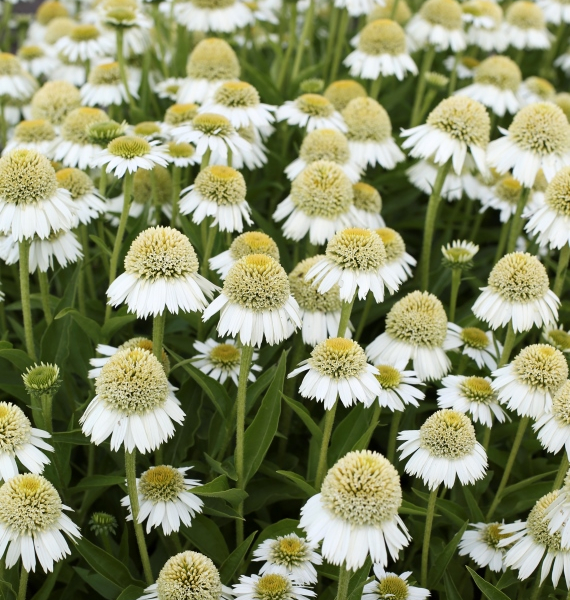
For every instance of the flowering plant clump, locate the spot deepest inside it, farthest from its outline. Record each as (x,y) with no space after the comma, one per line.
(284,310)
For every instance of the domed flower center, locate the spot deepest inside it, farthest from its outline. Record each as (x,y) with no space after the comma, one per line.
(367,198)
(35,131)
(253,242)
(314,105)
(106,74)
(41,379)
(129,147)
(484,8)
(338,358)
(446,13)
(74,128)
(103,134)
(161,484)
(75,181)
(223,185)
(448,434)
(389,377)
(49,10)
(9,64)
(147,129)
(273,587)
(542,128)
(357,249)
(367,121)
(418,319)
(478,389)
(30,52)
(382,37)
(257,282)
(323,190)
(213,59)
(500,72)
(560,339)
(541,366)
(492,535)
(180,113)
(226,356)
(525,15)
(15,428)
(29,504)
(557,195)
(393,243)
(145,344)
(519,277)
(463,119)
(392,587)
(84,33)
(181,150)
(307,295)
(213,4)
(340,93)
(541,87)
(26,177)
(289,551)
(508,190)
(237,94)
(362,488)
(561,404)
(212,124)
(325,144)
(473,337)
(537,524)
(189,576)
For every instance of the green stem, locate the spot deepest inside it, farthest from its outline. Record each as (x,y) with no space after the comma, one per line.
(517,222)
(393,435)
(394,9)
(427,535)
(375,87)
(131,473)
(346,309)
(24,260)
(343,582)
(327,432)
(176,178)
(211,238)
(427,61)
(535,590)
(364,316)
(373,421)
(158,335)
(508,346)
(22,589)
(431,215)
(47,402)
(502,241)
(290,45)
(127,192)
(509,466)
(5,27)
(455,283)
(332,37)
(486,438)
(453,75)
(563,259)
(307,27)
(44,292)
(107,544)
(339,43)
(562,470)
(122,69)
(551,52)
(245,363)
(84,237)
(205,159)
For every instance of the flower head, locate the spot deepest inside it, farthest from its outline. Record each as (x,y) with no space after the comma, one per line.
(271,586)
(481,544)
(130,153)
(312,111)
(102,524)
(389,586)
(221,360)
(42,379)
(54,101)
(341,92)
(459,254)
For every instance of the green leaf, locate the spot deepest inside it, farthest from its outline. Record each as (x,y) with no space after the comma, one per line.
(6,591)
(488,589)
(114,324)
(475,511)
(206,536)
(219,488)
(44,593)
(358,581)
(233,562)
(440,565)
(451,590)
(97,481)
(100,584)
(17,357)
(260,434)
(133,592)
(523,484)
(89,326)
(101,245)
(75,437)
(347,433)
(408,508)
(303,414)
(222,469)
(106,565)
(300,482)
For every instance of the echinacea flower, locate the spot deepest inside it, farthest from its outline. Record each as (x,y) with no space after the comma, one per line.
(484,20)
(220,360)
(481,544)
(129,153)
(88,203)
(399,387)
(271,586)
(438,23)
(555,11)
(444,449)
(15,83)
(553,427)
(525,26)
(389,585)
(367,206)
(213,15)
(85,42)
(557,337)
(311,111)
(339,93)
(54,101)
(477,344)
(36,134)
(105,86)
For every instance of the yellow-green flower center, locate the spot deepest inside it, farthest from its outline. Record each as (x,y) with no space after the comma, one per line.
(448,434)
(161,484)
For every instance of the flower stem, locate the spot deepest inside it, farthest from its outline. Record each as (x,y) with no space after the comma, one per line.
(562,470)
(290,45)
(431,215)
(24,259)
(158,335)
(394,9)
(131,473)
(332,37)
(343,581)
(427,61)
(86,267)
(327,432)
(22,589)
(122,70)
(364,316)
(305,34)
(427,535)
(375,87)
(210,240)
(127,192)
(535,589)
(245,363)
(176,178)
(47,402)
(339,43)
(453,75)
(508,346)
(486,438)
(374,419)
(44,292)
(561,270)
(393,435)
(517,222)
(509,466)
(346,309)
(455,283)
(502,241)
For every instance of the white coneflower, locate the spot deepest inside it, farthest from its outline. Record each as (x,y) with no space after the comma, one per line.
(438,23)
(213,15)
(180,154)
(256,156)
(557,514)
(179,114)
(528,384)
(473,396)
(289,555)
(211,63)
(15,83)
(456,125)
(557,337)
(484,19)
(37,60)
(214,135)
(168,88)
(135,25)
(251,242)
(185,576)
(517,292)
(54,101)
(423,175)
(495,84)
(325,144)
(525,27)
(532,543)
(504,195)
(88,203)
(355,260)
(356,513)
(165,499)
(217,192)
(536,89)
(73,148)
(105,87)
(555,11)
(31,203)
(553,427)
(550,220)
(311,111)
(416,329)
(85,42)
(32,523)
(444,449)
(481,544)
(36,134)
(256,302)
(62,245)
(320,313)
(391,586)
(367,206)
(337,368)
(538,138)
(161,273)
(239,102)
(320,203)
(130,153)
(221,360)
(341,92)
(134,403)
(464,68)
(459,253)
(380,50)
(271,586)
(19,440)
(370,134)
(477,344)
(398,387)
